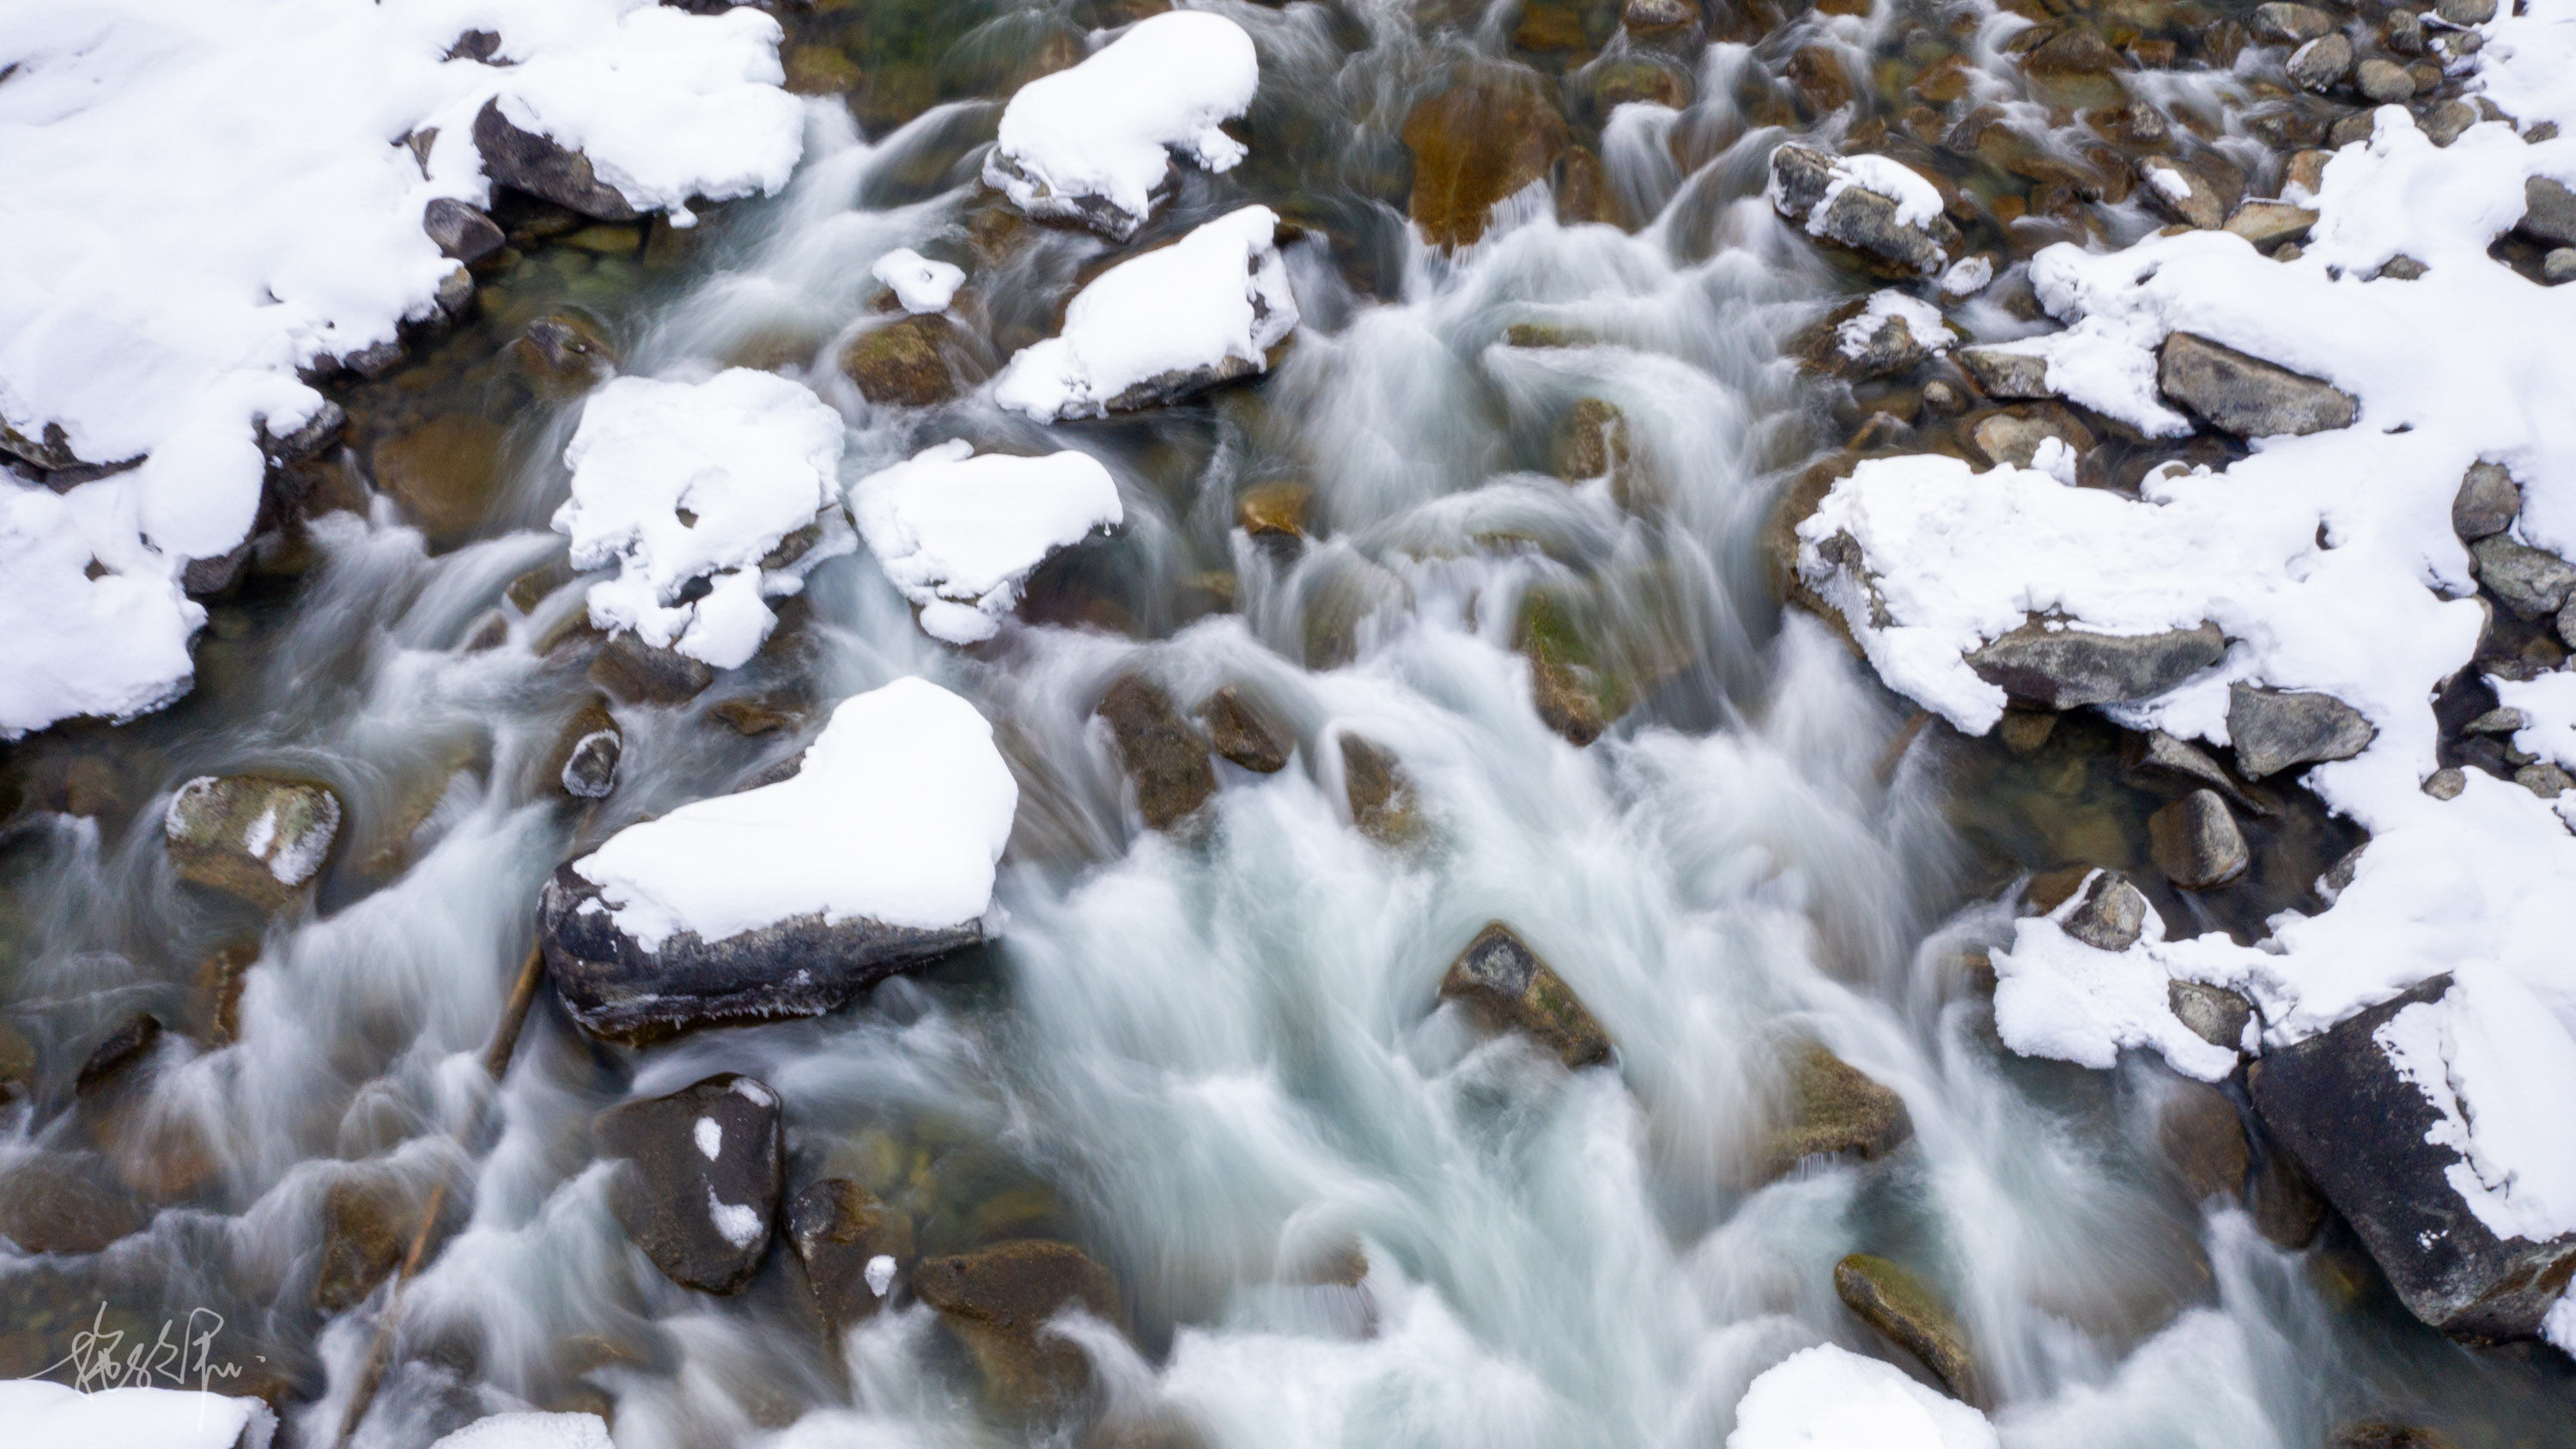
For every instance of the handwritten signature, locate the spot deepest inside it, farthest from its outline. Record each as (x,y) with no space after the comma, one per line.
(101,1358)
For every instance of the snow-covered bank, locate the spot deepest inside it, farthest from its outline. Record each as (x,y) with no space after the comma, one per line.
(206,199)
(959,534)
(674,482)
(43,1415)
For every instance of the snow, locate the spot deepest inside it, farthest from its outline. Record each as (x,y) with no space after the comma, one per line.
(959,534)
(1918,202)
(531,1431)
(43,1415)
(2057,997)
(2549,703)
(2329,563)
(920,284)
(1219,294)
(1828,1397)
(880,1273)
(741,1225)
(2559,1327)
(1967,276)
(898,814)
(1921,318)
(1101,132)
(205,197)
(752,456)
(708,1133)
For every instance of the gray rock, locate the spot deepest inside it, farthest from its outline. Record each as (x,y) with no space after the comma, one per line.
(2339,876)
(1651,17)
(2532,582)
(541,167)
(2195,842)
(455,292)
(2180,192)
(1501,980)
(2446,783)
(590,770)
(840,1231)
(2549,212)
(2466,12)
(2160,753)
(2287,24)
(308,439)
(2384,81)
(2504,720)
(2559,266)
(2274,729)
(2403,32)
(206,577)
(2269,224)
(2360,1130)
(2400,268)
(2215,1014)
(2544,779)
(461,231)
(616,989)
(1858,218)
(2005,375)
(1165,759)
(2112,914)
(2446,120)
(2202,1139)
(251,836)
(2567,624)
(2320,64)
(2014,436)
(375,359)
(2489,500)
(121,1048)
(1892,349)
(2062,669)
(703,1169)
(2246,395)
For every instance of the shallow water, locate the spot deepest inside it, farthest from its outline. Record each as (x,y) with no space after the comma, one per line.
(1214,1059)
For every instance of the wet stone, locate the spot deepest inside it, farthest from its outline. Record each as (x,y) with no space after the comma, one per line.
(590,768)
(1856,217)
(1658,17)
(1592,442)
(61,1202)
(1274,510)
(1898,1304)
(702,1181)
(2112,915)
(2246,395)
(2488,501)
(1239,734)
(539,166)
(122,1047)
(2158,753)
(2005,375)
(2024,731)
(2285,1206)
(634,672)
(220,979)
(462,232)
(367,1224)
(564,351)
(1475,144)
(2014,436)
(1835,1109)
(261,839)
(2281,23)
(905,363)
(2202,1139)
(1816,77)
(1564,695)
(1502,981)
(2320,64)
(2061,669)
(443,472)
(2195,842)
(2532,582)
(997,1301)
(2180,192)
(2379,1434)
(1381,796)
(855,1249)
(2275,729)
(2384,82)
(2270,224)
(1164,758)
(2215,1014)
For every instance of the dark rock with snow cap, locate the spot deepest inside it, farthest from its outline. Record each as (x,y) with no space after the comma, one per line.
(261,839)
(2532,582)
(1821,192)
(2065,668)
(2488,502)
(703,1170)
(1501,980)
(2274,729)
(854,1248)
(2245,395)
(2361,1131)
(619,990)
(542,167)
(2195,842)
(462,232)
(2181,192)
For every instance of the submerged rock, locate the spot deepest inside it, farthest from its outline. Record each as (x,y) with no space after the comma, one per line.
(2284,23)
(904,363)
(997,1301)
(1896,1303)
(368,1220)
(1477,143)
(1239,734)
(2061,669)
(541,166)
(261,839)
(119,1049)
(445,473)
(1833,1109)
(1382,800)
(2275,729)
(635,672)
(2246,395)
(2371,1139)
(1164,758)
(1502,981)
(2195,842)
(1869,204)
(2202,1139)
(855,1249)
(704,1169)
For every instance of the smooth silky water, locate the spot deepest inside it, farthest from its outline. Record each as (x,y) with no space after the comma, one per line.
(1212,1058)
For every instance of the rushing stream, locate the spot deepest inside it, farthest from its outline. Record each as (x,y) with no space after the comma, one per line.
(1337,1212)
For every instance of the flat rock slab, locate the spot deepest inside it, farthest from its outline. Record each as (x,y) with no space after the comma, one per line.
(2274,729)
(1500,979)
(2063,669)
(2244,395)
(618,990)
(251,836)
(2358,1129)
(704,1170)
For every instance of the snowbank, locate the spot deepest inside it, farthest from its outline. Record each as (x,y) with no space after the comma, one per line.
(530,1431)
(43,1415)
(2501,1069)
(1831,1398)
(920,284)
(959,534)
(205,197)
(1160,326)
(750,456)
(115,645)
(898,814)
(1091,144)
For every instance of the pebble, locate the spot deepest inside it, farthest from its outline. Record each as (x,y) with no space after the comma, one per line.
(2384,81)
(2446,783)
(2321,63)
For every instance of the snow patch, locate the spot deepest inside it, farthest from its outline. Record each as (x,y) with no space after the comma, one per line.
(531,1430)
(113,645)
(708,1133)
(959,534)
(2501,1069)
(43,1415)
(2057,997)
(1921,319)
(742,1226)
(1918,202)
(920,284)
(880,1273)
(1828,1397)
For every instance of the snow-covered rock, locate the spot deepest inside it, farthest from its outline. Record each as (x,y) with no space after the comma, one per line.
(674,482)
(919,284)
(959,534)
(1828,1397)
(113,643)
(43,1415)
(1871,204)
(531,1430)
(787,900)
(1159,327)
(1091,144)
(205,198)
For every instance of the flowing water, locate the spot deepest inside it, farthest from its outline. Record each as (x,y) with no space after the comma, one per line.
(1213,1058)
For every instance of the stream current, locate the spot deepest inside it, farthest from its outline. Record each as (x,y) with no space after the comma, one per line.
(1213,1057)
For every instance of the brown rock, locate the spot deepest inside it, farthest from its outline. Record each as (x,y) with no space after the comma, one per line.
(2203,1140)
(1833,1109)
(367,1224)
(1896,1303)
(60,1202)
(1564,695)
(1382,799)
(445,474)
(634,672)
(563,353)
(1476,143)
(905,363)
(127,1044)
(2013,435)
(1592,442)
(997,1299)
(840,1231)
(2195,842)
(1501,981)
(2286,1207)
(261,839)
(1239,734)
(1274,510)
(1165,759)
(1550,25)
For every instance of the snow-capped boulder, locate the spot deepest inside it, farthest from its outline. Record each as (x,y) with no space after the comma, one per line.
(959,534)
(677,482)
(787,900)
(260,839)
(919,284)
(1870,204)
(704,1168)
(1092,144)
(1828,1397)
(531,1429)
(45,1415)
(1160,327)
